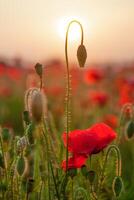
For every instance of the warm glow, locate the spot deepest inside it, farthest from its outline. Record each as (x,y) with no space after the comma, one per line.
(74,31)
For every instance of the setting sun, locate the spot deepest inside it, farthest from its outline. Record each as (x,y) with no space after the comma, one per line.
(74,32)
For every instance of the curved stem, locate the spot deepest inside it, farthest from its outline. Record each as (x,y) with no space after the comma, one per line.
(68,82)
(115,148)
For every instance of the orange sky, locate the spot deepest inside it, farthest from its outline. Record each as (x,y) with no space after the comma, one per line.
(30,28)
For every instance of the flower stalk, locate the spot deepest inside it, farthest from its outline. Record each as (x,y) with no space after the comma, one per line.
(68,113)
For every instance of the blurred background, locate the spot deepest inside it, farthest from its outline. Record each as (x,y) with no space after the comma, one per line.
(34,31)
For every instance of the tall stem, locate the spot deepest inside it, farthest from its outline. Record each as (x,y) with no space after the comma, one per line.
(68,83)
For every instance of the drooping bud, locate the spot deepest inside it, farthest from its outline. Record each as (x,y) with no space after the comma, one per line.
(21,165)
(6,135)
(130,130)
(72,172)
(117,186)
(26,117)
(81,55)
(39,70)
(91,176)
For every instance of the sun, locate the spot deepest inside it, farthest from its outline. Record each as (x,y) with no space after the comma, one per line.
(74,31)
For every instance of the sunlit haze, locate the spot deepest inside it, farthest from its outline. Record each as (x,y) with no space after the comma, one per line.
(35,30)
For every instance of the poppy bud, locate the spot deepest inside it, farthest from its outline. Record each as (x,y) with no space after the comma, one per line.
(36,107)
(72,172)
(81,55)
(36,104)
(38,69)
(26,117)
(2,165)
(130,130)
(5,135)
(117,186)
(84,170)
(21,165)
(91,176)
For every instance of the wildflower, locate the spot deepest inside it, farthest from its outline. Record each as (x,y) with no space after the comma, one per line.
(83,143)
(93,75)
(111,120)
(100,98)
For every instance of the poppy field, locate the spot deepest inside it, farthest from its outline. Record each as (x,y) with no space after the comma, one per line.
(66,130)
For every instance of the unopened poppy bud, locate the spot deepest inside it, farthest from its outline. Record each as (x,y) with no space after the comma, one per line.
(117,186)
(36,104)
(5,135)
(81,55)
(21,165)
(30,185)
(2,165)
(38,68)
(36,107)
(130,130)
(72,172)
(26,117)
(91,176)
(84,170)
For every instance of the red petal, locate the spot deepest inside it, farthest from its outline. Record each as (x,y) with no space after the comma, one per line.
(76,161)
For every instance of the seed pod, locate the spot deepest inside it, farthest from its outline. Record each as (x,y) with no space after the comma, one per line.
(84,170)
(117,186)
(81,55)
(26,117)
(72,172)
(6,135)
(38,68)
(130,130)
(21,165)
(2,165)
(91,176)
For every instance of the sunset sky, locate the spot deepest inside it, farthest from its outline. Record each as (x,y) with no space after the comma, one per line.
(34,29)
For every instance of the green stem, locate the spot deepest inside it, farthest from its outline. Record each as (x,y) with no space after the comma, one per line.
(68,83)
(3,157)
(40,191)
(115,148)
(93,193)
(55,184)
(72,189)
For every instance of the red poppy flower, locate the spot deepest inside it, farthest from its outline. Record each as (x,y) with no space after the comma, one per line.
(111,120)
(82,143)
(100,98)
(93,75)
